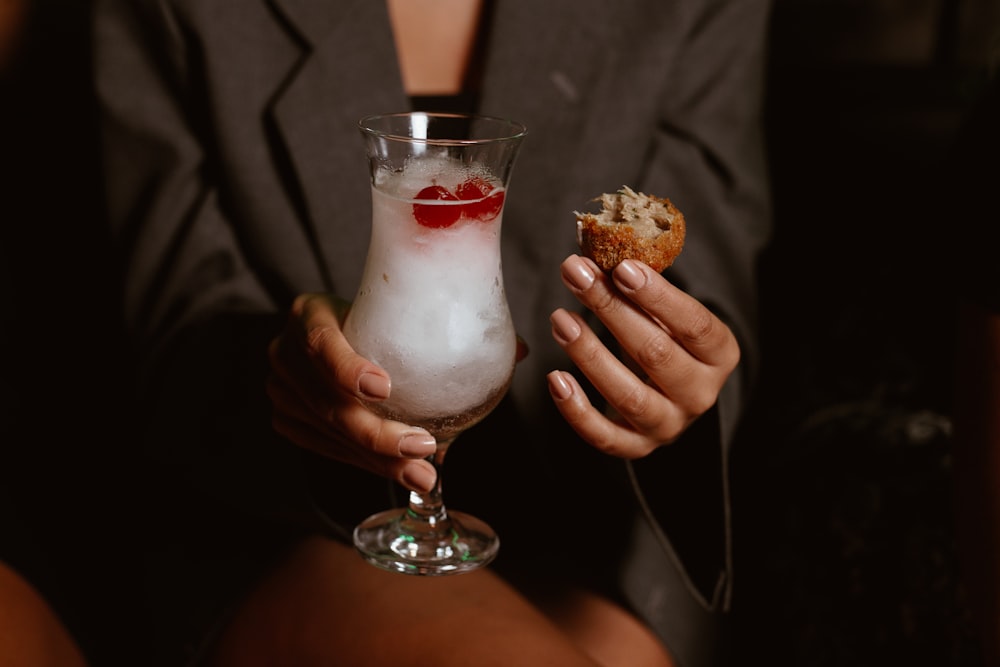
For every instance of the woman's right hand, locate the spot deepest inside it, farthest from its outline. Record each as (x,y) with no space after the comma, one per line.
(317,385)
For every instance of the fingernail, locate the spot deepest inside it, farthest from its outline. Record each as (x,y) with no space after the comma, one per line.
(559,387)
(419,476)
(576,272)
(375,387)
(630,275)
(564,327)
(420,445)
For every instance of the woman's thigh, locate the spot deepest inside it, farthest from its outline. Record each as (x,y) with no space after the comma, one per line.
(30,631)
(326,606)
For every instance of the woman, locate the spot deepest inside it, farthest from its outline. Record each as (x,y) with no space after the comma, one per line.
(237,184)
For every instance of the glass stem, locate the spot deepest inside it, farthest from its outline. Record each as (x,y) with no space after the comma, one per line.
(429,507)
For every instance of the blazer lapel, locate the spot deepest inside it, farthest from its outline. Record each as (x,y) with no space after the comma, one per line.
(347,45)
(555,53)
(349,70)
(313,20)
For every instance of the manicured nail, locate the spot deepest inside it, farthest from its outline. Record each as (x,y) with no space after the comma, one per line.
(564,327)
(559,386)
(630,275)
(419,476)
(375,387)
(419,445)
(576,272)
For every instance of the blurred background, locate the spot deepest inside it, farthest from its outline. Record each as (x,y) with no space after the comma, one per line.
(65,465)
(845,548)
(845,551)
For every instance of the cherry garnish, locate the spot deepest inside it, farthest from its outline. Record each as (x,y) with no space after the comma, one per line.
(485,210)
(439,217)
(474,187)
(476,190)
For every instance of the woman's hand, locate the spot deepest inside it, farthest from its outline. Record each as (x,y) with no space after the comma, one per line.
(316,387)
(677,356)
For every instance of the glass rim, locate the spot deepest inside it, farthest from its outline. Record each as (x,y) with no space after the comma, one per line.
(517,129)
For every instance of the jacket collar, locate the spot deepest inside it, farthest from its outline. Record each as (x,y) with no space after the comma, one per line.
(313,20)
(347,44)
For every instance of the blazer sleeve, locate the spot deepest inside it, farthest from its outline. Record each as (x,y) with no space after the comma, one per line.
(708,151)
(198,316)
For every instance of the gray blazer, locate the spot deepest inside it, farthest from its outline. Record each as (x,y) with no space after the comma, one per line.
(236,179)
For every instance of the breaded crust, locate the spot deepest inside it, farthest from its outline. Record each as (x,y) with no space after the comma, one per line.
(632,225)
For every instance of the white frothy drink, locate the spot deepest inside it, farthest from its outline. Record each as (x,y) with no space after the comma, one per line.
(431,309)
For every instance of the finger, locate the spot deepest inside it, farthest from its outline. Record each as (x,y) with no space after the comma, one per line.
(295,371)
(295,365)
(703,336)
(414,474)
(592,425)
(654,324)
(695,327)
(638,292)
(645,339)
(348,429)
(325,345)
(650,412)
(521,351)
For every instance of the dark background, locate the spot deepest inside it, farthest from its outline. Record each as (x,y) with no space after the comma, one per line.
(68,516)
(844,549)
(845,552)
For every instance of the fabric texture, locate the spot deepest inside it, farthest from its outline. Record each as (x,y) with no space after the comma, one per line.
(237,180)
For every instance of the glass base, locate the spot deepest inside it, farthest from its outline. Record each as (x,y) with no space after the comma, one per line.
(400,541)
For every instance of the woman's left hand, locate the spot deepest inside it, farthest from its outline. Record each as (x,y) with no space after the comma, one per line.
(676,356)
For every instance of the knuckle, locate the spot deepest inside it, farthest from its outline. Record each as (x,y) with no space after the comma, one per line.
(601,301)
(608,444)
(732,356)
(699,401)
(586,352)
(666,434)
(373,440)
(329,414)
(317,338)
(635,403)
(702,326)
(646,447)
(657,352)
(300,304)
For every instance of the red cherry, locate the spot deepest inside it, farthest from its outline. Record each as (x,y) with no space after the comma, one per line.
(485,210)
(474,187)
(430,215)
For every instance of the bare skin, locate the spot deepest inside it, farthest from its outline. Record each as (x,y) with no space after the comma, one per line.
(434,43)
(326,606)
(13,15)
(677,358)
(30,632)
